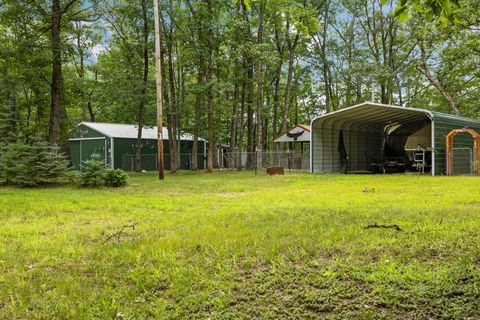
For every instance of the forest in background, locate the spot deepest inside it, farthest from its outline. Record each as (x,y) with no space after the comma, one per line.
(235,72)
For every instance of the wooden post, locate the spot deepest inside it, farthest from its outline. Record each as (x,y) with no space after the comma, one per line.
(161,174)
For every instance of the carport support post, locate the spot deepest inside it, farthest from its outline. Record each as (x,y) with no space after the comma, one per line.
(476,146)
(112,154)
(289,160)
(301,155)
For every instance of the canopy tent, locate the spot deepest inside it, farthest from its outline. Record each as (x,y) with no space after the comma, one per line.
(371,132)
(298,133)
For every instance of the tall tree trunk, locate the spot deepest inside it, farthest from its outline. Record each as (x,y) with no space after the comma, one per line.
(180,102)
(198,111)
(425,70)
(248,64)
(211,133)
(358,90)
(276,99)
(89,99)
(260,79)
(56,114)
(276,109)
(233,121)
(383,93)
(325,65)
(172,110)
(90,108)
(250,123)
(288,88)
(81,71)
(241,126)
(141,108)
(210,124)
(350,44)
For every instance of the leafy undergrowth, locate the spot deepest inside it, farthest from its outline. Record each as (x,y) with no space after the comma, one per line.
(232,245)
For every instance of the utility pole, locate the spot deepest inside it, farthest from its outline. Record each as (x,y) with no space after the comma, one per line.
(158,64)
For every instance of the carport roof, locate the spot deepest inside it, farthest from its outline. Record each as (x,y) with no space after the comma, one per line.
(369,115)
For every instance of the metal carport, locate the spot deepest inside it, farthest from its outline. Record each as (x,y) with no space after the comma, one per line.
(363,128)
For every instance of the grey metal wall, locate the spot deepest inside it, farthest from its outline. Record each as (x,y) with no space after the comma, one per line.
(363,147)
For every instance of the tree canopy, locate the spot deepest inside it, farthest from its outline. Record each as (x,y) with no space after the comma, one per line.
(236,72)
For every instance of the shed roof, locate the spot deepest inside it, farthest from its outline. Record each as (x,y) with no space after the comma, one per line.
(370,115)
(129,131)
(297,133)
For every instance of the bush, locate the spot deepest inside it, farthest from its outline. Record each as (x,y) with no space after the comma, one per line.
(94,174)
(31,165)
(115,178)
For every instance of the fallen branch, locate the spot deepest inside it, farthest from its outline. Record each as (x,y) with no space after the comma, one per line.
(383,226)
(119,233)
(455,293)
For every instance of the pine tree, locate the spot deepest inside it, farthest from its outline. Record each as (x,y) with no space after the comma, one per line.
(94,174)
(8,119)
(32,164)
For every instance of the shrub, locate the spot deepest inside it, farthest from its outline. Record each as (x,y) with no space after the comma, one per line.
(94,174)
(115,178)
(32,164)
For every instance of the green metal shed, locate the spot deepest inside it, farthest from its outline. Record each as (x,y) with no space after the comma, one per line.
(356,136)
(116,144)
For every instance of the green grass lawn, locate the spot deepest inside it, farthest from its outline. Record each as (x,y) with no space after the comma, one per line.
(232,245)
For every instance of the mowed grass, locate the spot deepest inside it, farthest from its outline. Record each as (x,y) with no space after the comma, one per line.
(232,245)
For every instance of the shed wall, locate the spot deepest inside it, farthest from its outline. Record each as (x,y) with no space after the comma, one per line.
(82,150)
(149,149)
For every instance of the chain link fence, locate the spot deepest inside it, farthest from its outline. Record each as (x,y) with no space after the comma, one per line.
(288,160)
(237,160)
(463,161)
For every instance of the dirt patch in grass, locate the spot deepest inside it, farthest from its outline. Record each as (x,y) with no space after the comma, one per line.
(297,291)
(231,194)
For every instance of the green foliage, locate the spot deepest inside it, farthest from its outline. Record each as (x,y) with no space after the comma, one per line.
(94,171)
(440,10)
(32,164)
(8,125)
(338,49)
(95,174)
(115,178)
(246,3)
(8,117)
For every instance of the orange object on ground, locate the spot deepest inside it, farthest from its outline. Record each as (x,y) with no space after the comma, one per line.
(275,170)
